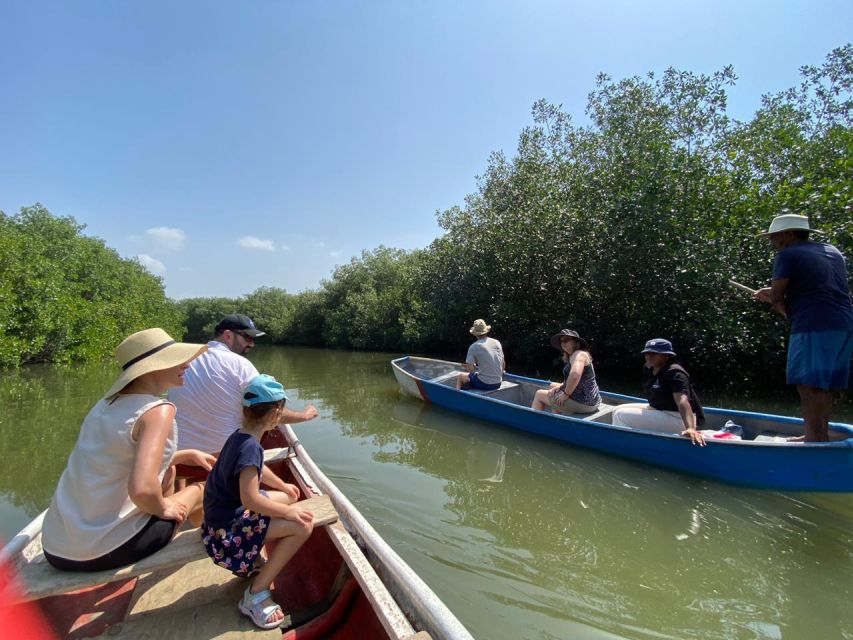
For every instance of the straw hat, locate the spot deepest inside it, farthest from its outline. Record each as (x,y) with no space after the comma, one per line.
(150,350)
(480,328)
(789,222)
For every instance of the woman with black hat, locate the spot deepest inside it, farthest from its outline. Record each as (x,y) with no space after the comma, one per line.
(578,392)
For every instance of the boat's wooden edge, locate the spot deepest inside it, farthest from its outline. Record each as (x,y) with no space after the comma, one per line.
(383,603)
(40,579)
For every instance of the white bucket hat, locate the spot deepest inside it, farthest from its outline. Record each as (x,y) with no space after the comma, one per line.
(480,328)
(788,222)
(150,350)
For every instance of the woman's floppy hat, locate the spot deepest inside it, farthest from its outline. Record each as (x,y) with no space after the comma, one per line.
(150,350)
(569,333)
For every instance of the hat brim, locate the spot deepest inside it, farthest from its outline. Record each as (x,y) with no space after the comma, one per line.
(171,356)
(764,234)
(252,332)
(555,341)
(665,353)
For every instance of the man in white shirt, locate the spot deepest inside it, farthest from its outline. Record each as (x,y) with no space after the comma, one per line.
(209,402)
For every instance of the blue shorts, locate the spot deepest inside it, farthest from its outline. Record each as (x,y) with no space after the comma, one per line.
(237,547)
(476,383)
(820,359)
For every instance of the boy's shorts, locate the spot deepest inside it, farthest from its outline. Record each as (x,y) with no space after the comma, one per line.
(820,359)
(476,383)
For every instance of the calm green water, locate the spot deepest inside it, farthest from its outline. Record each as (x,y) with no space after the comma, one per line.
(521,537)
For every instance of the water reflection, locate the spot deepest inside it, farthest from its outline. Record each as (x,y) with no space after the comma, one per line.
(622,546)
(42,408)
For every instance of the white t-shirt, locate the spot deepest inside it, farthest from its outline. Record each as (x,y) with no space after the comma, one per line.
(90,513)
(208,404)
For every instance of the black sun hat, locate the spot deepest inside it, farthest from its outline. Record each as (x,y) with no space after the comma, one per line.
(569,333)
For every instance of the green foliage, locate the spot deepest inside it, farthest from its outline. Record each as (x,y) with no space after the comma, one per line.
(67,297)
(624,229)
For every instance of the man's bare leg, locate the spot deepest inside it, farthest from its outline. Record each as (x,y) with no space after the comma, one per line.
(816,406)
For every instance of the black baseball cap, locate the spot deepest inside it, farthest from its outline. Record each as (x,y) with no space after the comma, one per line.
(238,322)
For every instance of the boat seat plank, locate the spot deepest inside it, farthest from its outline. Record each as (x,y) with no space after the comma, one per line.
(444,377)
(40,579)
(603,410)
(505,384)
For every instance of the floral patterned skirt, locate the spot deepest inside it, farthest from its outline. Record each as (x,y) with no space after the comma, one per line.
(237,547)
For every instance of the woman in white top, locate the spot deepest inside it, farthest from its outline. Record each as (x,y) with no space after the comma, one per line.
(115,503)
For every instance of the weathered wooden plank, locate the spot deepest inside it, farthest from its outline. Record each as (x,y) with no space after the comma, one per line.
(41,579)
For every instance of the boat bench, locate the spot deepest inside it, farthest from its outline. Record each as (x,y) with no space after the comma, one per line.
(449,379)
(603,410)
(40,579)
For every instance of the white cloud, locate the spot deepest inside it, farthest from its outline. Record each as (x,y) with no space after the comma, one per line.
(152,264)
(167,238)
(335,254)
(284,247)
(256,244)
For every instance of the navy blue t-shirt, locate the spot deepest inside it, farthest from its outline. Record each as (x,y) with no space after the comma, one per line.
(817,297)
(222,492)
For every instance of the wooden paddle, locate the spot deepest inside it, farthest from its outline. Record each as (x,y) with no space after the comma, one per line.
(742,287)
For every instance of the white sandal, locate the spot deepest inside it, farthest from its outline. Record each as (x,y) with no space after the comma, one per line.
(251,604)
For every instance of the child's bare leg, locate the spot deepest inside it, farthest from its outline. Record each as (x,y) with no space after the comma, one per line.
(290,536)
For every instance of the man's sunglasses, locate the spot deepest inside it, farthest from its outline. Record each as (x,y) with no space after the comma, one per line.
(245,336)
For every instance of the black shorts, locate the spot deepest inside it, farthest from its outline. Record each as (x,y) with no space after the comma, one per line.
(155,535)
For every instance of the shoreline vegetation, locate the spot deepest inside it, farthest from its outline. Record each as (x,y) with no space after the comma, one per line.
(624,229)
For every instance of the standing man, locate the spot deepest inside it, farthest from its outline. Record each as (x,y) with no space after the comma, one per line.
(810,290)
(209,404)
(485,362)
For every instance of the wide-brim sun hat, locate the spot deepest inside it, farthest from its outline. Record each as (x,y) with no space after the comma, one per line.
(659,345)
(479,328)
(569,333)
(789,222)
(150,350)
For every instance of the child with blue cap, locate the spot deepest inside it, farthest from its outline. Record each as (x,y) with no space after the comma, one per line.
(239,516)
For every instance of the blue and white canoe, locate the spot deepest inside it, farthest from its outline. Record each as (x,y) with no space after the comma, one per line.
(762,459)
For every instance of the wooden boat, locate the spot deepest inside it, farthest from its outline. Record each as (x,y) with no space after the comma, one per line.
(762,459)
(345,582)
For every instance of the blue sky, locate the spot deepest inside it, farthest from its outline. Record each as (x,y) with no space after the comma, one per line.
(234,145)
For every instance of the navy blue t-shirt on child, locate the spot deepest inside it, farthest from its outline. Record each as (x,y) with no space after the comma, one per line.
(222,492)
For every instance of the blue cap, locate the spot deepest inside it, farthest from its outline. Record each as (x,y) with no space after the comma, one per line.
(263,388)
(659,345)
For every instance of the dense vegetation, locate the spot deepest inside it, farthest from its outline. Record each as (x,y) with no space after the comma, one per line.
(624,229)
(65,296)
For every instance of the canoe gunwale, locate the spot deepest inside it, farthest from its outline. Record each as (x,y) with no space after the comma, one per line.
(422,604)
